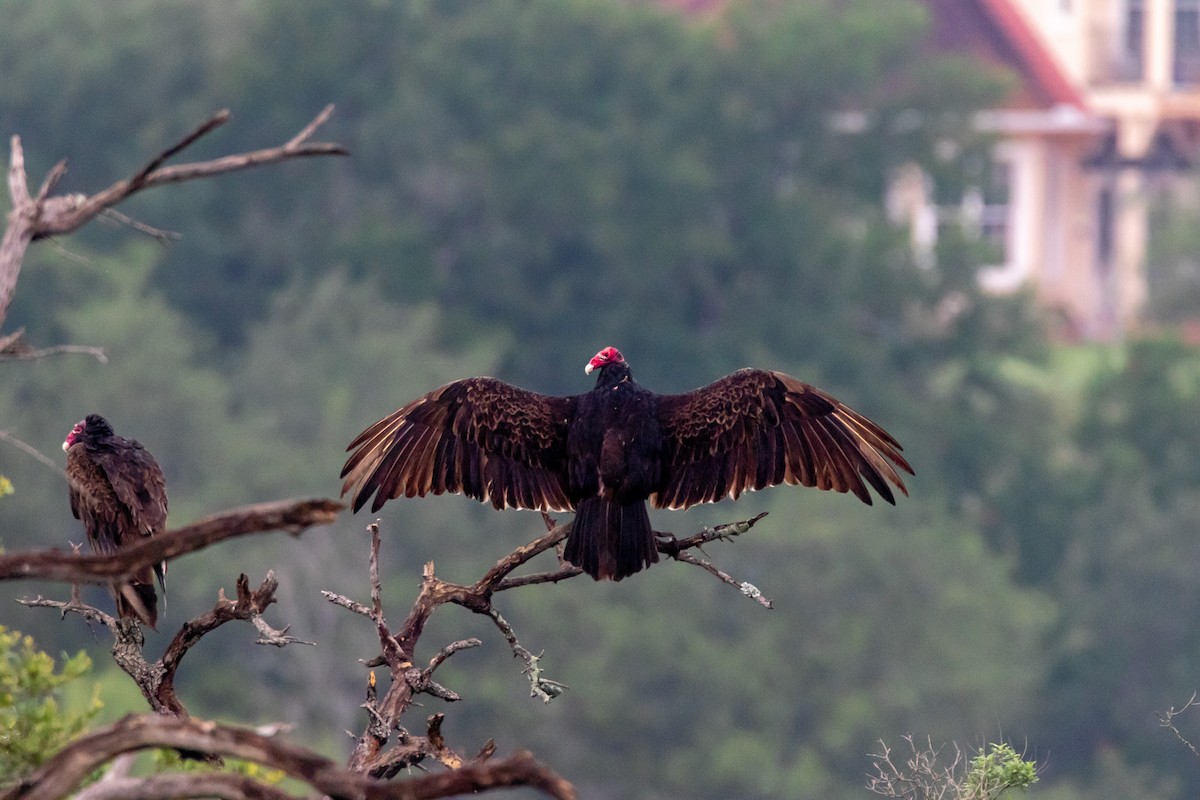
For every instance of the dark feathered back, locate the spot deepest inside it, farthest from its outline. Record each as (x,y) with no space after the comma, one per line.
(118,492)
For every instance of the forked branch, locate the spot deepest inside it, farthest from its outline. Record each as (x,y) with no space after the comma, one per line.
(156,680)
(44,215)
(398,647)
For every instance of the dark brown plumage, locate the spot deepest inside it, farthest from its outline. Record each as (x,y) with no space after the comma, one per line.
(604,453)
(118,493)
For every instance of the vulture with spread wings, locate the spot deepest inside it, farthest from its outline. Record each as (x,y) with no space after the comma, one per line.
(603,454)
(118,493)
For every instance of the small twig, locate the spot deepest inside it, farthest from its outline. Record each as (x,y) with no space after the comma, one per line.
(11,343)
(540,577)
(677,549)
(539,687)
(449,650)
(499,573)
(378,726)
(373,570)
(204,128)
(1167,720)
(748,589)
(51,180)
(421,683)
(725,531)
(33,354)
(346,602)
(159,235)
(30,450)
(306,133)
(268,635)
(73,606)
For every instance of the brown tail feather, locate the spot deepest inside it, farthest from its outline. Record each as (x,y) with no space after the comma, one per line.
(138,601)
(610,541)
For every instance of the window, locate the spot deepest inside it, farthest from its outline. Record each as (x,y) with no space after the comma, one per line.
(1131,58)
(1187,42)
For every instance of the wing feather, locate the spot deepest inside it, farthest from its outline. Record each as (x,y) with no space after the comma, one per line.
(753,429)
(480,437)
(138,483)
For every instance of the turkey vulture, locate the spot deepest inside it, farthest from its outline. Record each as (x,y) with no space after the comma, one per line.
(604,453)
(118,492)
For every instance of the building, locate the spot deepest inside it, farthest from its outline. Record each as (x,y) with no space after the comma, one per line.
(1105,114)
(1137,65)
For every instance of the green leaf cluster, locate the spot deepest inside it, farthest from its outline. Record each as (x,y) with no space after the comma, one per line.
(995,770)
(33,722)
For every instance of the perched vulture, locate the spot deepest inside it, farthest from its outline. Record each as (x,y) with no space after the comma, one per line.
(604,453)
(118,492)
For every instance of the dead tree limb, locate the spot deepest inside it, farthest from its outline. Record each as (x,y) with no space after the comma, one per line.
(156,680)
(42,216)
(292,516)
(15,347)
(398,647)
(66,769)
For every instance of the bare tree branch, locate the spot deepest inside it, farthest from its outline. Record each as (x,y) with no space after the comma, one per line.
(676,549)
(292,516)
(248,606)
(919,777)
(44,216)
(746,588)
(30,450)
(397,649)
(182,784)
(71,765)
(1167,720)
(33,353)
(157,679)
(13,347)
(542,688)
(117,218)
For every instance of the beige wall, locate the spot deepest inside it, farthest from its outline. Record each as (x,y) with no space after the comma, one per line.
(1056,203)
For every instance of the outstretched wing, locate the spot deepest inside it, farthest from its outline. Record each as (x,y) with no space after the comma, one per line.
(138,483)
(480,437)
(755,429)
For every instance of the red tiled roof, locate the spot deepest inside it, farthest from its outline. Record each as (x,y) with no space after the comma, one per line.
(993,30)
(1035,62)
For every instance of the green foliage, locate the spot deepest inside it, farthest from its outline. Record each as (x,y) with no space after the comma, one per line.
(1139,428)
(172,761)
(924,774)
(995,770)
(33,722)
(6,486)
(1172,268)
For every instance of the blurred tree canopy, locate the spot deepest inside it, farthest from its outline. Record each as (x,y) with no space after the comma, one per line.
(532,180)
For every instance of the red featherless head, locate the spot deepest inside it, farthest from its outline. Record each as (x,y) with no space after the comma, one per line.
(609,355)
